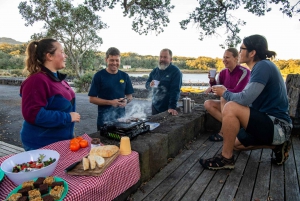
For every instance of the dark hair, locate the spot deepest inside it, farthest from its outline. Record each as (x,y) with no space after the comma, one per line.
(234,51)
(260,45)
(36,54)
(166,49)
(112,51)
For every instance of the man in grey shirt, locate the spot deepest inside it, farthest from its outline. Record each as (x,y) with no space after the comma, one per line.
(258,116)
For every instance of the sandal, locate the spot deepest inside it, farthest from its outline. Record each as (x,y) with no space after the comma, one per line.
(218,162)
(216,137)
(281,153)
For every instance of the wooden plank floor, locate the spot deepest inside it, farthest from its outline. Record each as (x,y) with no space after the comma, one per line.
(254,178)
(7,149)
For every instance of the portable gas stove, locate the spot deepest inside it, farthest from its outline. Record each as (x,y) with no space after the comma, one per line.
(115,130)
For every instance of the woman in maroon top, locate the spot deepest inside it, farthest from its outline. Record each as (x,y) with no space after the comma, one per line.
(234,77)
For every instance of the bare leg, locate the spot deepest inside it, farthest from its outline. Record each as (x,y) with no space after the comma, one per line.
(213,107)
(239,147)
(234,116)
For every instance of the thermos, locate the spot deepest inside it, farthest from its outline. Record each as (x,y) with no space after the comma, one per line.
(187,107)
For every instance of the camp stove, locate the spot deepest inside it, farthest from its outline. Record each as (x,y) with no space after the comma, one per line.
(124,127)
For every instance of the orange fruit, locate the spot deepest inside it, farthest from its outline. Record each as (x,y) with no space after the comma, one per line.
(74,146)
(83,143)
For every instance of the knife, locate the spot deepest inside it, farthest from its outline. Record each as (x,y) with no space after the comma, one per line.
(72,166)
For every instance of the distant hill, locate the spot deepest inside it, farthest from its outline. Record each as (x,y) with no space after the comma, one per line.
(9,41)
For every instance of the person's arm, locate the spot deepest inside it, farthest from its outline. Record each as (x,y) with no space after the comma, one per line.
(243,81)
(129,98)
(150,78)
(247,96)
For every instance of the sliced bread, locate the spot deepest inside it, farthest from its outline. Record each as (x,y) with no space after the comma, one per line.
(99,161)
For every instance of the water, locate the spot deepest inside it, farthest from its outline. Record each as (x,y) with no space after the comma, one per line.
(186,77)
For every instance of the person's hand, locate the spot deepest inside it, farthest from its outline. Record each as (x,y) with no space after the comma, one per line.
(218,90)
(75,117)
(208,90)
(173,112)
(120,102)
(152,83)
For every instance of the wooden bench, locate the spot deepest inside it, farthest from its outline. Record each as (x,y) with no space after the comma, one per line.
(7,149)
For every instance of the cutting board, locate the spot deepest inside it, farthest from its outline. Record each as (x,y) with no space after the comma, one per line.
(78,169)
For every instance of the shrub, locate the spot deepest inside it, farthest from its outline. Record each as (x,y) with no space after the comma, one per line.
(83,84)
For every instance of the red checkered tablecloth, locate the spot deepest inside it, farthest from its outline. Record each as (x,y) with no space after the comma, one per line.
(117,178)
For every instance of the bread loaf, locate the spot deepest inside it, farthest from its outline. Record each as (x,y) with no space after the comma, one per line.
(104,151)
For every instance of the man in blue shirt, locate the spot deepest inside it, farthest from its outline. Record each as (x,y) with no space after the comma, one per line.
(109,88)
(256,117)
(165,81)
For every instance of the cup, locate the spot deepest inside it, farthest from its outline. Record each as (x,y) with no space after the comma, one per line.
(156,83)
(125,147)
(212,73)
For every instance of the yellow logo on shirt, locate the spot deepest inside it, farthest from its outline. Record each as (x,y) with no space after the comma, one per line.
(122,81)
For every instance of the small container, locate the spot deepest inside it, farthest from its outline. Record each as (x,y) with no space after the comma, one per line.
(125,147)
(95,142)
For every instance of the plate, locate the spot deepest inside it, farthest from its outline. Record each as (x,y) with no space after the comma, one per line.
(152,125)
(66,188)
(1,174)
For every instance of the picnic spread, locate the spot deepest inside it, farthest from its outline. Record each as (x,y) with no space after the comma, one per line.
(116,175)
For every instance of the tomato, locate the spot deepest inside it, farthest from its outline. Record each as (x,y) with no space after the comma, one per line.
(79,138)
(83,143)
(74,140)
(40,165)
(74,146)
(32,165)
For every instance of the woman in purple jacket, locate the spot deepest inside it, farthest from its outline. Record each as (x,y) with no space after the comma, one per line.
(234,77)
(48,102)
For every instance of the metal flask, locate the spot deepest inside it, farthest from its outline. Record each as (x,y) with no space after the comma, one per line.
(186,105)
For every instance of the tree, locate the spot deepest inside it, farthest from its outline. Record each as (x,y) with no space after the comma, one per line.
(75,27)
(211,15)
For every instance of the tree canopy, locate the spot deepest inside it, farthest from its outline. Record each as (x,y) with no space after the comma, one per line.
(210,15)
(76,27)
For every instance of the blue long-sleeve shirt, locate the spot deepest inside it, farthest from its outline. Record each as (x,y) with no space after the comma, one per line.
(166,95)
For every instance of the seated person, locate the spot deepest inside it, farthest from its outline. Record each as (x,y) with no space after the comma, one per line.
(234,77)
(256,117)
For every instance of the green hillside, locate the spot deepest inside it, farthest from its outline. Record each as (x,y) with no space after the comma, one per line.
(9,41)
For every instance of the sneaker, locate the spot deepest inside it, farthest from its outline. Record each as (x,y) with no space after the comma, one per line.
(218,162)
(281,153)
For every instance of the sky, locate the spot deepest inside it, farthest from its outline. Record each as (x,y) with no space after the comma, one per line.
(282,32)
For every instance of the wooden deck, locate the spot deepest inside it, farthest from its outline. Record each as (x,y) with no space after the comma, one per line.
(254,178)
(7,149)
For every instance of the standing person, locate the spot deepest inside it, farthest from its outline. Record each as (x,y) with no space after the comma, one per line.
(48,102)
(234,77)
(109,88)
(258,116)
(169,79)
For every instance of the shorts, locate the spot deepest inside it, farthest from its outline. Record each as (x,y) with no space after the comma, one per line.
(259,131)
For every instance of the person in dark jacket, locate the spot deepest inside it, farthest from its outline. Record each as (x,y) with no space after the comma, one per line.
(165,81)
(48,102)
